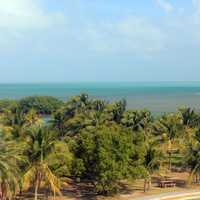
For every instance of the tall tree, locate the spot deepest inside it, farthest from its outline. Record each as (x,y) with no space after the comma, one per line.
(191,121)
(192,156)
(138,120)
(154,158)
(40,143)
(168,128)
(108,154)
(10,156)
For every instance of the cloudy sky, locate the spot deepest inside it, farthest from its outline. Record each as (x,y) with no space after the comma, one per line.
(99,40)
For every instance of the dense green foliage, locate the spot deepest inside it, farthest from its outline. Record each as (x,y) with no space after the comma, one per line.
(7,104)
(107,155)
(41,104)
(93,140)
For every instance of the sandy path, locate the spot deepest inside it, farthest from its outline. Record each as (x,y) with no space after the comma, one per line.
(193,194)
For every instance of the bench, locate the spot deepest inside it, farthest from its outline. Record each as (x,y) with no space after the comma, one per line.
(164,184)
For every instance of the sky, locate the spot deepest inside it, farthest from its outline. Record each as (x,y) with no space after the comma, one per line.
(99,40)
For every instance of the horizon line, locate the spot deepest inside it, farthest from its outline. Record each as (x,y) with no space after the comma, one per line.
(101,82)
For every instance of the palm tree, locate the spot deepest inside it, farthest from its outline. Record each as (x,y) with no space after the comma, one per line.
(75,105)
(58,122)
(153,160)
(190,117)
(7,118)
(32,118)
(191,120)
(168,128)
(76,114)
(10,156)
(137,120)
(98,105)
(192,156)
(40,143)
(115,111)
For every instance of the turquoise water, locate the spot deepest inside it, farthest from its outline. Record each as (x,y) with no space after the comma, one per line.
(157,97)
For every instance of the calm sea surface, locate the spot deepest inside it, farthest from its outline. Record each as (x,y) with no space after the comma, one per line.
(157,97)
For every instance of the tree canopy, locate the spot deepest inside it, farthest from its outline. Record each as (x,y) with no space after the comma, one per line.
(91,139)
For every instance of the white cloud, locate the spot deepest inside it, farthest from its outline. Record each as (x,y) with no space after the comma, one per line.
(25,14)
(22,23)
(165,5)
(131,35)
(25,21)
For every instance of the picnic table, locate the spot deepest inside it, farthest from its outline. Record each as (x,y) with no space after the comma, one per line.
(167,183)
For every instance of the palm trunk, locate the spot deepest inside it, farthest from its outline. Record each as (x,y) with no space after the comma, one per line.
(1,193)
(145,184)
(54,194)
(170,161)
(196,178)
(47,193)
(149,184)
(170,142)
(36,189)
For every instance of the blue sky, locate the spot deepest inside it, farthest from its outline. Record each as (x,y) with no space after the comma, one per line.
(99,40)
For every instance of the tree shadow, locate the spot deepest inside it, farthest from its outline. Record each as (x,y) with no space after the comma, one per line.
(124,188)
(85,191)
(80,191)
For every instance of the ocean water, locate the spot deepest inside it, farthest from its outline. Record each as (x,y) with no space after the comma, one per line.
(158,97)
